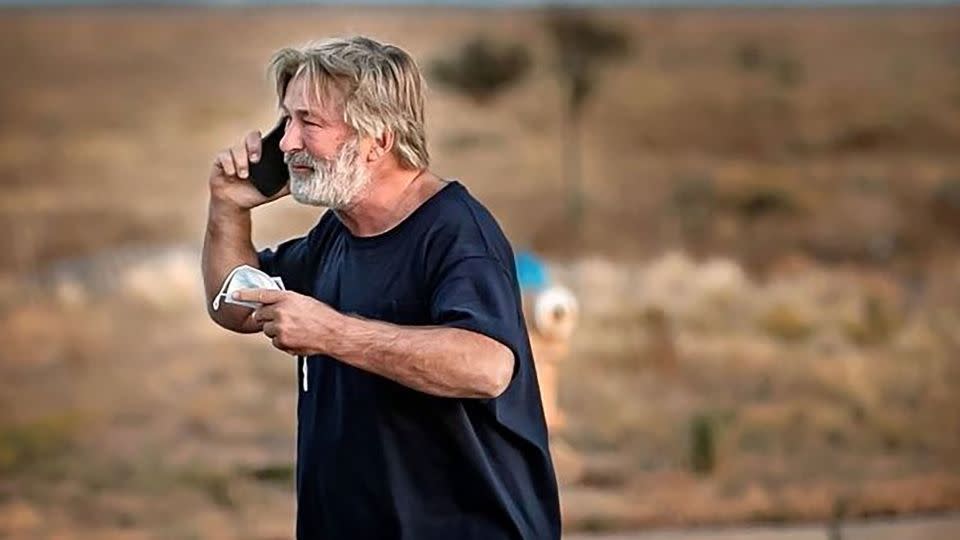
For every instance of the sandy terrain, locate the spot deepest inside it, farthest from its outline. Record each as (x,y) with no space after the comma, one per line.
(767,265)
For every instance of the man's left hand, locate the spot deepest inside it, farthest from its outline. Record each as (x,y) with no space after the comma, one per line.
(296,324)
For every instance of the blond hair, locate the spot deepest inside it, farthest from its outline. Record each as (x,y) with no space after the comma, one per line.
(379,85)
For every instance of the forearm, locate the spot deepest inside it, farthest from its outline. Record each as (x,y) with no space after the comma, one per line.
(447,362)
(227,245)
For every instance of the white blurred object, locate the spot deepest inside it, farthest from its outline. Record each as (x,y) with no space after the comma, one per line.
(245,277)
(555,312)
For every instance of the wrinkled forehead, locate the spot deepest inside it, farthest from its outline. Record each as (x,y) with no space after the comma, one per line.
(317,93)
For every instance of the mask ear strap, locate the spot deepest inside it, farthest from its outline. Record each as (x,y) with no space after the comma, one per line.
(306,371)
(223,288)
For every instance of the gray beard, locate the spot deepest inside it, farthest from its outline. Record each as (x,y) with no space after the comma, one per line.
(335,183)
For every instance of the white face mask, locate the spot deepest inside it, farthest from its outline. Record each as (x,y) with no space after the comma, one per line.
(248,277)
(245,277)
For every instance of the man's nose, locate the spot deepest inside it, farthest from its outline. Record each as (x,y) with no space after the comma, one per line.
(291,140)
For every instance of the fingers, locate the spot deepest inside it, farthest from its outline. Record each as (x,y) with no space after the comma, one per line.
(236,160)
(265,314)
(262,296)
(277,343)
(281,345)
(252,143)
(246,152)
(239,154)
(270,330)
(225,162)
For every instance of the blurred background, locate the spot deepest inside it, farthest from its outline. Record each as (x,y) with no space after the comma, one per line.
(756,207)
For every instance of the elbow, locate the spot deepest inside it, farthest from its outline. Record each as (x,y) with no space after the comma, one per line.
(499,374)
(230,318)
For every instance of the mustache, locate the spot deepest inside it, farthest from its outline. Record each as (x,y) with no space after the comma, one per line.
(301,159)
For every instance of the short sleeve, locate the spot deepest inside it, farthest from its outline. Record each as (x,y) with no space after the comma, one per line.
(478,294)
(288,260)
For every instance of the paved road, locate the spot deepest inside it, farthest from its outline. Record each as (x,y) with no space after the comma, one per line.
(922,528)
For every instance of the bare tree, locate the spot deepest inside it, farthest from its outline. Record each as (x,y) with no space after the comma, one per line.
(582,47)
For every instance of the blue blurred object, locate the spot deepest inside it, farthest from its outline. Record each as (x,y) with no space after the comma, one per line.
(531,272)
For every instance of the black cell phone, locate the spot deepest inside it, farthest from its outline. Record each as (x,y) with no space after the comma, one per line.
(270,174)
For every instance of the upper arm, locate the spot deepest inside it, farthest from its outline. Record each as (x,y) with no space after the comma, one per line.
(478,295)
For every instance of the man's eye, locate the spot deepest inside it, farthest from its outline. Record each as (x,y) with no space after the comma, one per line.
(309,123)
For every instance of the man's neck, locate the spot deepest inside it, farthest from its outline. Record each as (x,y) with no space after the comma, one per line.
(389,200)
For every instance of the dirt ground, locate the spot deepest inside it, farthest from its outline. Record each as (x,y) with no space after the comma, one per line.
(925,528)
(767,265)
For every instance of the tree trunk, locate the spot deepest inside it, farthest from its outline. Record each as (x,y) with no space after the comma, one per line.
(573,177)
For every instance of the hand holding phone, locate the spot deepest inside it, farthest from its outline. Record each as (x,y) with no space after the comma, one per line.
(270,173)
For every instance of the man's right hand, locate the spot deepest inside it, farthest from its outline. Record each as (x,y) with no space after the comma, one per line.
(230,177)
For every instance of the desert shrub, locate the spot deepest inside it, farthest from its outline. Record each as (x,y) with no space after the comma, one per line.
(213,484)
(877,322)
(750,56)
(948,194)
(944,204)
(277,473)
(761,201)
(695,199)
(787,323)
(481,68)
(694,191)
(780,65)
(702,447)
(26,444)
(880,134)
(788,71)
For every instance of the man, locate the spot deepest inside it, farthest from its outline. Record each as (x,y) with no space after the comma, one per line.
(418,414)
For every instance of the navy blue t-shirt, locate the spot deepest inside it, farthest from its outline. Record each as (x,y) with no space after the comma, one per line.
(376,459)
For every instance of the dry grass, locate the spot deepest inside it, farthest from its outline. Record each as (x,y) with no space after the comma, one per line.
(793,414)
(813,150)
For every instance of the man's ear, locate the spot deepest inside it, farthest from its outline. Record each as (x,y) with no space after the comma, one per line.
(381,146)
